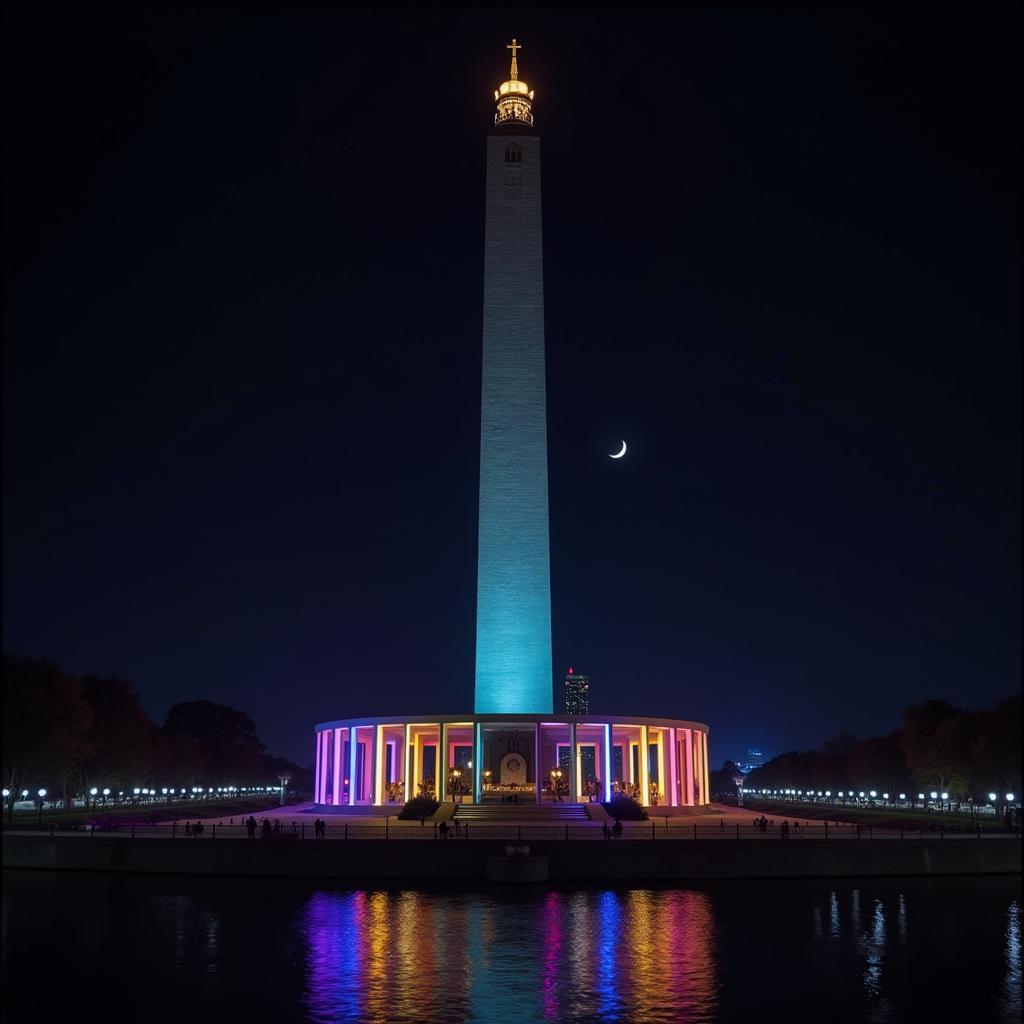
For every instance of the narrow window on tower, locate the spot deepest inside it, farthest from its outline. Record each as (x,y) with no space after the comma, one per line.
(513,154)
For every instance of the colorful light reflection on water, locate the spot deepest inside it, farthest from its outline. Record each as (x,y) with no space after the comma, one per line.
(414,956)
(235,949)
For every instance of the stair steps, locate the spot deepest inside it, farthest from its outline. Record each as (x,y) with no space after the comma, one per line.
(541,814)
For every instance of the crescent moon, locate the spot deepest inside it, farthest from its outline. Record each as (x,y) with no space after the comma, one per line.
(618,455)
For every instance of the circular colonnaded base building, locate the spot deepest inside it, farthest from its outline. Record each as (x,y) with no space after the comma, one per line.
(478,758)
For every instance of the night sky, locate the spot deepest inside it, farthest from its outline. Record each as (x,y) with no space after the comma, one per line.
(242,283)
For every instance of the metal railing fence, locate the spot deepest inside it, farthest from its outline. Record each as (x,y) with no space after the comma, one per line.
(457,832)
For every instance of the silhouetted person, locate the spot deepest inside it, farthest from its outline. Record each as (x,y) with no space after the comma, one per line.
(606,831)
(266,828)
(617,828)
(443,829)
(250,827)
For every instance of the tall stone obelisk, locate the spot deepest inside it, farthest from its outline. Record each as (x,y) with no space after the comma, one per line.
(513,618)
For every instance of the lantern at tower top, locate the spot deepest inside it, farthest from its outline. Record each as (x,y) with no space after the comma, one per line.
(514,97)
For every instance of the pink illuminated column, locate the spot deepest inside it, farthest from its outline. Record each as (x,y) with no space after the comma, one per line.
(673,776)
(688,767)
(336,796)
(316,777)
(704,777)
(324,768)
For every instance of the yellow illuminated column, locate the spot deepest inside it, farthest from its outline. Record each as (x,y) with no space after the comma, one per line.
(408,762)
(441,762)
(645,779)
(662,777)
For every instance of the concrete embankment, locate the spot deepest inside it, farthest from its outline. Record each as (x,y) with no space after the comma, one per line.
(569,860)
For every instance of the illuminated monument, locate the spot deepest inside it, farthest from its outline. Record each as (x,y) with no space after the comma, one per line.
(513,612)
(512,742)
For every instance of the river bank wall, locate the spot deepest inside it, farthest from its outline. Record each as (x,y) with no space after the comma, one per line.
(569,860)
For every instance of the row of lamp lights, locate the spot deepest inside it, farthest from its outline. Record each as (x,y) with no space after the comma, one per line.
(149,794)
(861,795)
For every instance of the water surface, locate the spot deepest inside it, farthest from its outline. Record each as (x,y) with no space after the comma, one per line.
(162,948)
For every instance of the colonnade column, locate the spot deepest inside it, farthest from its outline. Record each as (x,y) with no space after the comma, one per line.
(673,772)
(573,772)
(607,761)
(705,779)
(687,767)
(478,756)
(645,774)
(537,771)
(407,761)
(441,762)
(317,788)
(352,751)
(336,767)
(378,765)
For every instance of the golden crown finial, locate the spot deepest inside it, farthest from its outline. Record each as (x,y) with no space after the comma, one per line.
(513,46)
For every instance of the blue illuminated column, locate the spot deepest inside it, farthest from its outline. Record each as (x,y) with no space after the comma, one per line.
(513,626)
(607,762)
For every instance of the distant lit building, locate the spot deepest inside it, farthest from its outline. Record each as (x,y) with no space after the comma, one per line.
(754,760)
(577,693)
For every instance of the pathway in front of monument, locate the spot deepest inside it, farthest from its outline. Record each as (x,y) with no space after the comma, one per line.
(713,814)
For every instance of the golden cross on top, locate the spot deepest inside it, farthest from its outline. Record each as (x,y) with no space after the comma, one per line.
(513,46)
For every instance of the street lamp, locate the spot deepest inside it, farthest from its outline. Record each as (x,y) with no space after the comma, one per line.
(40,802)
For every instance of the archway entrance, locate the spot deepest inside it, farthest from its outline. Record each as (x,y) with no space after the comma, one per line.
(512,770)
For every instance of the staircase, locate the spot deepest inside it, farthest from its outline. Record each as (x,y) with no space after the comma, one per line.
(521,814)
